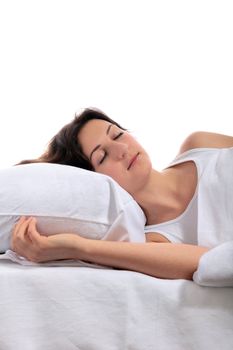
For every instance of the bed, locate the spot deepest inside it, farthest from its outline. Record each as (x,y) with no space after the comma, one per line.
(72,305)
(66,308)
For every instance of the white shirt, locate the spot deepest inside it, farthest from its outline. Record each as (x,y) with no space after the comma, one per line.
(208,218)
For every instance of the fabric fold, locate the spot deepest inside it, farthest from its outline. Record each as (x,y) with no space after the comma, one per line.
(13,256)
(216,267)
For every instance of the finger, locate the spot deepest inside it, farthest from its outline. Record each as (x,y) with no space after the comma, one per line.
(27,236)
(20,239)
(17,226)
(32,231)
(20,235)
(21,226)
(18,223)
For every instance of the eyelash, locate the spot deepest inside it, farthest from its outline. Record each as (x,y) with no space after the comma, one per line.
(105,153)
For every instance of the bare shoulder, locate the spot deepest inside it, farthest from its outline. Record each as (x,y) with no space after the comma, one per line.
(202,139)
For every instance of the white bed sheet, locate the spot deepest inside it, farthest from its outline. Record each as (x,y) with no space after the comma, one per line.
(67,308)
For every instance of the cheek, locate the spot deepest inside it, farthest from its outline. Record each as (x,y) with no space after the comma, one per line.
(106,170)
(112,171)
(116,173)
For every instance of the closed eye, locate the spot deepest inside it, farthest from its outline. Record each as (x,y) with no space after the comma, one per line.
(103,158)
(117,136)
(105,153)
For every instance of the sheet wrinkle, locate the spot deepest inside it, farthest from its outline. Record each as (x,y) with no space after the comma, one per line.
(14,257)
(109,309)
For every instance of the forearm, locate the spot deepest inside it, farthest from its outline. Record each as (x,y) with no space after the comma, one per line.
(163,260)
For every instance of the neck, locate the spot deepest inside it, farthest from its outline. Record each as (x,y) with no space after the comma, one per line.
(160,196)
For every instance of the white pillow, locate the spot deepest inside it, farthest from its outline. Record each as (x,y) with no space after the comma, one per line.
(68,199)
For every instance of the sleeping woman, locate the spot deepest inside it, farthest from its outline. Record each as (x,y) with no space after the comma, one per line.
(188,205)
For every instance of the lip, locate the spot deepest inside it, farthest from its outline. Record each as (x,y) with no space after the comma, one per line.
(133,160)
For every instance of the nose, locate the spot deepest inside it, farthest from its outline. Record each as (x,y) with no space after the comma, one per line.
(119,150)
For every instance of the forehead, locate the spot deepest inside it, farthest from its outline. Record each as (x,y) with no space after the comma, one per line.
(91,133)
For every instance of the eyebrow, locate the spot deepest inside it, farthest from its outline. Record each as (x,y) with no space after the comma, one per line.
(98,146)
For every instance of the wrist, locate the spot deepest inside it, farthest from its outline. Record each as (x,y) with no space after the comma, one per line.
(80,249)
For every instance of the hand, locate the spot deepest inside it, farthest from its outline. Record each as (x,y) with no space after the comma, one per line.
(26,241)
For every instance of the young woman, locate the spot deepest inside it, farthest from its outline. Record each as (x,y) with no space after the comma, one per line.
(184,204)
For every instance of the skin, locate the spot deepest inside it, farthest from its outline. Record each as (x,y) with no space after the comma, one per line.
(162,195)
(115,153)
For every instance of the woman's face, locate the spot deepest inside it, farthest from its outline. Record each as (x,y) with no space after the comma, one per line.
(114,152)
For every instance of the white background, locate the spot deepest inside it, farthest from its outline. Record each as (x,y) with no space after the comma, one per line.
(162,69)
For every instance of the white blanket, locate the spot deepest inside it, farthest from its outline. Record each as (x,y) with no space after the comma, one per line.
(80,308)
(216,267)
(13,256)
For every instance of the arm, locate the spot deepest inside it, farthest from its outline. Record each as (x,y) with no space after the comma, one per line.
(163,260)
(201,139)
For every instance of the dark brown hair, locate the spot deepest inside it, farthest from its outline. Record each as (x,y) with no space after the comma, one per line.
(64,147)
